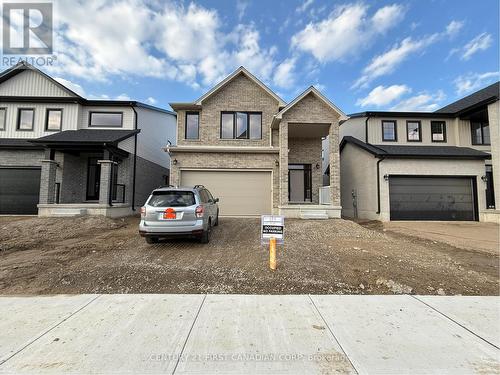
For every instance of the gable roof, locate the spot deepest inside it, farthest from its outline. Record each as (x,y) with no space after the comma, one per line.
(484,96)
(229,78)
(314,91)
(407,151)
(23,66)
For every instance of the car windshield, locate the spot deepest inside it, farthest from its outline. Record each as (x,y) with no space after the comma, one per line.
(172,199)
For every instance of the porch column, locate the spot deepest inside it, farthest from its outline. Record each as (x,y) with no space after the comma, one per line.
(283,168)
(334,158)
(105,183)
(48,178)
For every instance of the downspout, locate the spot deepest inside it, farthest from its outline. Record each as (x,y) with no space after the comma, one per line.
(366,129)
(135,158)
(378,183)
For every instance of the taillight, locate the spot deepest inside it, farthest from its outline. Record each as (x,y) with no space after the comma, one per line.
(199,211)
(143,211)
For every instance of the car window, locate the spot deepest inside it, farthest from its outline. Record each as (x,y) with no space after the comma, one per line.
(172,199)
(203,196)
(209,195)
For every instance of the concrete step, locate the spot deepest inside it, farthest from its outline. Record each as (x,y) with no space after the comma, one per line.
(314,214)
(68,212)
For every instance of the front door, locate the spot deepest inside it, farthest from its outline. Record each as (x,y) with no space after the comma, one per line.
(299,183)
(93,179)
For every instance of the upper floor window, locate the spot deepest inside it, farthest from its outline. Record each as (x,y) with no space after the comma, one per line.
(389,131)
(480,133)
(3,118)
(241,125)
(25,118)
(438,131)
(106,119)
(53,119)
(192,129)
(413,131)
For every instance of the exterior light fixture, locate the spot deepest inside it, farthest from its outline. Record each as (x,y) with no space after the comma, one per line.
(174,162)
(317,165)
(484,178)
(386,177)
(276,162)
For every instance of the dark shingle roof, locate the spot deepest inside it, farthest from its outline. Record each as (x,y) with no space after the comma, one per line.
(409,151)
(86,136)
(12,143)
(490,93)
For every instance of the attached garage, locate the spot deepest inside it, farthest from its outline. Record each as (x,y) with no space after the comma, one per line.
(19,190)
(241,193)
(432,198)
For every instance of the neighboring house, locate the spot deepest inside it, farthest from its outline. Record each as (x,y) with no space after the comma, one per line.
(441,165)
(256,153)
(61,154)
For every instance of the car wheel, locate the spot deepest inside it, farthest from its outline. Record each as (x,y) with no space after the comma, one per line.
(205,237)
(216,219)
(151,240)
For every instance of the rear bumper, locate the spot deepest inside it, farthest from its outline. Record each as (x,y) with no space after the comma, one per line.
(171,231)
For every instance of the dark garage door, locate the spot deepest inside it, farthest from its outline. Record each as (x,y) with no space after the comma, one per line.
(19,190)
(432,198)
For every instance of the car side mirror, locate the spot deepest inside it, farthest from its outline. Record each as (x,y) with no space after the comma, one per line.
(216,200)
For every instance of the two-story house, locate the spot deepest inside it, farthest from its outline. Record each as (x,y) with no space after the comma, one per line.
(62,154)
(256,153)
(441,165)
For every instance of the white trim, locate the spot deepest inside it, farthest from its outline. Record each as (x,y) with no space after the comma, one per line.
(311,90)
(240,70)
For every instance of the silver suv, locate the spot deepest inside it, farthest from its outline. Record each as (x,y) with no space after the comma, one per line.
(179,211)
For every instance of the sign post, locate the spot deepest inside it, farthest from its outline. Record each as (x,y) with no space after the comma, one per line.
(272,233)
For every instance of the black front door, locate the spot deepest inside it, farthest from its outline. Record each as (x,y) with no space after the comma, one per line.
(490,193)
(93,179)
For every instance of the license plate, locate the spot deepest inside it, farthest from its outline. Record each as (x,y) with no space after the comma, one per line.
(168,215)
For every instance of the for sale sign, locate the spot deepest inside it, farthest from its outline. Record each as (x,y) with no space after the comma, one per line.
(272,226)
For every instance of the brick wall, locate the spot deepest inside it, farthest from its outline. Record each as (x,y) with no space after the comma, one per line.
(21,158)
(241,94)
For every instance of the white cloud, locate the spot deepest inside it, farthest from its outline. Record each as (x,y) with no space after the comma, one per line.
(151,100)
(71,85)
(422,102)
(454,27)
(303,7)
(163,40)
(382,95)
(241,7)
(474,81)
(122,97)
(284,76)
(479,43)
(388,61)
(345,31)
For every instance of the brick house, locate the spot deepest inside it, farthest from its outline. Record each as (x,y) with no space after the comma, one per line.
(255,152)
(62,154)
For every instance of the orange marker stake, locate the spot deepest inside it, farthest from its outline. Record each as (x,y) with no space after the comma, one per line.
(272,253)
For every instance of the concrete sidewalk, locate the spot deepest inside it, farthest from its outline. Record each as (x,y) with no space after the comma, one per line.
(241,334)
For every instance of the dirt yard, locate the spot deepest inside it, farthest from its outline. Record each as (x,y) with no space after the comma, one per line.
(100,255)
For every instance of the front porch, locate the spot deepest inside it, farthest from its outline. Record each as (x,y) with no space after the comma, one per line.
(79,178)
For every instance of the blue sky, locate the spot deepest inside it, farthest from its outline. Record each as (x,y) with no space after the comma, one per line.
(363,55)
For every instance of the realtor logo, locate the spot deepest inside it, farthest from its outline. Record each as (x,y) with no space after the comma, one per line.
(27,28)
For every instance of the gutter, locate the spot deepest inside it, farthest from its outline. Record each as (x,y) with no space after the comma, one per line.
(135,159)
(381,158)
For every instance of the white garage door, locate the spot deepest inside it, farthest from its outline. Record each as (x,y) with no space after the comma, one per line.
(241,193)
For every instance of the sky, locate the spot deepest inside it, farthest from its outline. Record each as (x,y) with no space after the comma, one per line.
(415,55)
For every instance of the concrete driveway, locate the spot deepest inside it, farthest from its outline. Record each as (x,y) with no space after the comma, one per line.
(249,334)
(465,235)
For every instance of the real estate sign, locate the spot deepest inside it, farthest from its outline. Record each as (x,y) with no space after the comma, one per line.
(272,226)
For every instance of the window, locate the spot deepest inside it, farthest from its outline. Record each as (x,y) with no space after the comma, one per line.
(480,133)
(389,131)
(106,119)
(172,199)
(438,131)
(413,131)
(3,118)
(25,118)
(241,125)
(192,129)
(53,119)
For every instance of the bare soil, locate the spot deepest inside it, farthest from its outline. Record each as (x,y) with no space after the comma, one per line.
(101,255)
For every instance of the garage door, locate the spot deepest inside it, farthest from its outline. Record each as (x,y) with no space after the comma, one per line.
(19,190)
(432,198)
(241,193)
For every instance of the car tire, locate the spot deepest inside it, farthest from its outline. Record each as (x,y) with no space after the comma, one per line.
(205,237)
(216,223)
(151,240)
